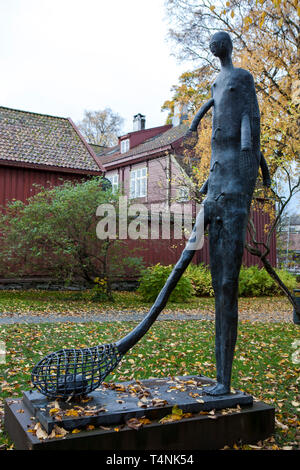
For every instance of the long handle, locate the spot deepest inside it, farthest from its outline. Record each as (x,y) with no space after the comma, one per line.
(141,329)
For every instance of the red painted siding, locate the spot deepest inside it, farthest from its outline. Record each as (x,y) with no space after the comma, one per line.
(168,251)
(18,183)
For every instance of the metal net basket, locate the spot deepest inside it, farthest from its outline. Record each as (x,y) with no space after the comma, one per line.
(74,372)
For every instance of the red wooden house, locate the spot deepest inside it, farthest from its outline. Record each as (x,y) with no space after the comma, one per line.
(40,149)
(147,166)
(37,149)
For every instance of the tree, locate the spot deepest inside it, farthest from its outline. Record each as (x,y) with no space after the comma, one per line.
(101,127)
(54,233)
(265,34)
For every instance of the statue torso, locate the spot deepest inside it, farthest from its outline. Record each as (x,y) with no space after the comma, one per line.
(233,94)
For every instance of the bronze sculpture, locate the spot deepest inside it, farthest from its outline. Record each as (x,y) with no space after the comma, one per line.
(235,160)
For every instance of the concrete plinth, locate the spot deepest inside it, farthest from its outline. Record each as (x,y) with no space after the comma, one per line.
(108,411)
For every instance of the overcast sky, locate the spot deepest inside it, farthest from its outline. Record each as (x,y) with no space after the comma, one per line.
(61,57)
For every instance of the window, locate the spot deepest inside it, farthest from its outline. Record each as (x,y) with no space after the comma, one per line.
(183,194)
(138,183)
(124,145)
(114,179)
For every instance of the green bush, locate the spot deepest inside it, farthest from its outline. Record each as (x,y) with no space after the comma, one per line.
(153,280)
(256,281)
(253,282)
(200,278)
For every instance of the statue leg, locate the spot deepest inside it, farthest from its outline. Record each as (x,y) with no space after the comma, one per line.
(227,238)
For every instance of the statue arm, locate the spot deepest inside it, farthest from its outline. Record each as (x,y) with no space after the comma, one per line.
(265,171)
(204,187)
(202,111)
(246,140)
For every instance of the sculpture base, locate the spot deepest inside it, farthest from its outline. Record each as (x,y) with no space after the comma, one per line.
(108,419)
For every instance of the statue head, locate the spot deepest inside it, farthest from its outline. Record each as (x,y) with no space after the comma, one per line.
(220,44)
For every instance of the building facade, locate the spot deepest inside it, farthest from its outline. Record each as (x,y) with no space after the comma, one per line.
(147,166)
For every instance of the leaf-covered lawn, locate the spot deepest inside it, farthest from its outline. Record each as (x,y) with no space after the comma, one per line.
(265,361)
(75,301)
(42,303)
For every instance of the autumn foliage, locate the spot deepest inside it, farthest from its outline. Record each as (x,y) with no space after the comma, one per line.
(265,35)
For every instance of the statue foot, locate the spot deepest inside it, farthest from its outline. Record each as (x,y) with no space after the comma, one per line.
(218,389)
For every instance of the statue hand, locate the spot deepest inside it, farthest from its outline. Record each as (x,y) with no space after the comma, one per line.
(267,182)
(190,139)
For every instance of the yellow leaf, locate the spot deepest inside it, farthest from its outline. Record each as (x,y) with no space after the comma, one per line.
(144,421)
(176,411)
(232,14)
(170,418)
(71,412)
(212,7)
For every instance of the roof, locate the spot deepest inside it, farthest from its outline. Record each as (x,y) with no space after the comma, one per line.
(97,148)
(157,142)
(38,139)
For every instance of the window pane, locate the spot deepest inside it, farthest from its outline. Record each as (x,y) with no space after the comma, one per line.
(132,184)
(138,188)
(143,187)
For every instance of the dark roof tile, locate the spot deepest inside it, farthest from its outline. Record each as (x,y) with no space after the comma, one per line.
(169,137)
(28,137)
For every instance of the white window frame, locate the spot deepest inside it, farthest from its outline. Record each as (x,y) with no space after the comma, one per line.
(138,183)
(114,179)
(183,194)
(125,145)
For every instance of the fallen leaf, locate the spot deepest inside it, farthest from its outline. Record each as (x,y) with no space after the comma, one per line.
(144,421)
(142,404)
(280,425)
(159,402)
(134,423)
(40,432)
(60,431)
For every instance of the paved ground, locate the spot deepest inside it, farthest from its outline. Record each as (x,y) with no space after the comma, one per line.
(131,315)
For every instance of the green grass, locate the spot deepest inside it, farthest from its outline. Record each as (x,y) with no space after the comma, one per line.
(263,364)
(64,301)
(43,301)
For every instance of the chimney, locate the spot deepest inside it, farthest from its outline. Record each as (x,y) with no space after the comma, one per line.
(139,122)
(180,114)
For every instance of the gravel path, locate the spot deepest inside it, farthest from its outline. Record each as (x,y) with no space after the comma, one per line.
(131,315)
(117,316)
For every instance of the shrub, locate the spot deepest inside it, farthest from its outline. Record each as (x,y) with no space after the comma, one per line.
(55,234)
(254,281)
(101,291)
(200,278)
(153,280)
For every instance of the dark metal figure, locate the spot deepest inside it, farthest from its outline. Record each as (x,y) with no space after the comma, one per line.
(235,161)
